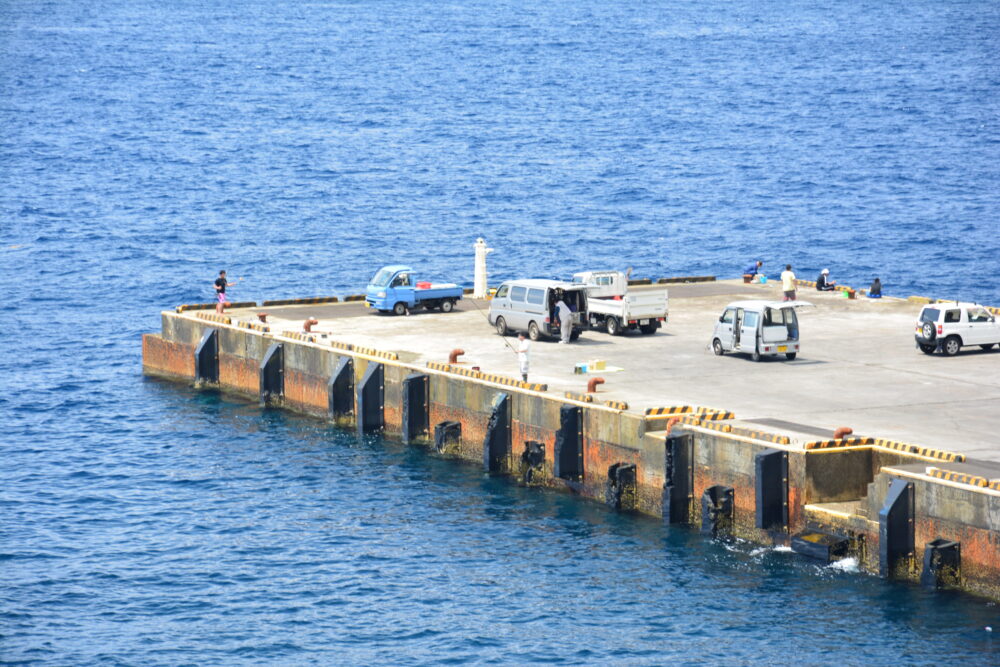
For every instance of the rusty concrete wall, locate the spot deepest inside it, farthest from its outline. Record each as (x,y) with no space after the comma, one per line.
(307,371)
(166,358)
(951,512)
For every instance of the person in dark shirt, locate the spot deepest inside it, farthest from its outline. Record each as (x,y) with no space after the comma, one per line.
(875,291)
(823,283)
(220,292)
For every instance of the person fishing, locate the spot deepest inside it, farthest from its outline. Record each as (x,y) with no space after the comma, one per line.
(523,353)
(221,285)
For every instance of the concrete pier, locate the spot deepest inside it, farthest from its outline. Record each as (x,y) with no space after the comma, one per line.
(723,443)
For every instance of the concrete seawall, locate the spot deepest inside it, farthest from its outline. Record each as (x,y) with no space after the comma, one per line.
(903,511)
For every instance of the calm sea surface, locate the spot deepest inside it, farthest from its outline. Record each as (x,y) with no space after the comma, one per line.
(144,146)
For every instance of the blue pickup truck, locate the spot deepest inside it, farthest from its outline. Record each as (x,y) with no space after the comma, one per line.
(395,289)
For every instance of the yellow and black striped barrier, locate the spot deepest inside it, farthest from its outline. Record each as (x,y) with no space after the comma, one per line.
(255,326)
(372,352)
(695,420)
(841,442)
(617,405)
(341,346)
(762,435)
(354,297)
(211,306)
(927,452)
(298,335)
(921,299)
(294,302)
(995,484)
(585,398)
(214,317)
(487,377)
(959,477)
(713,415)
(672,411)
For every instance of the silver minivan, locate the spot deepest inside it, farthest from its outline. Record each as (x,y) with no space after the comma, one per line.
(759,328)
(530,305)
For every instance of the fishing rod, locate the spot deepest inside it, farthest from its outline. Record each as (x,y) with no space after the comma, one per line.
(503,338)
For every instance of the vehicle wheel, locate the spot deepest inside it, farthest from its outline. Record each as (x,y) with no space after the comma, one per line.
(952,344)
(447,306)
(574,335)
(987,347)
(399,309)
(926,348)
(501,326)
(791,356)
(612,326)
(533,332)
(648,329)
(717,347)
(928,331)
(755,355)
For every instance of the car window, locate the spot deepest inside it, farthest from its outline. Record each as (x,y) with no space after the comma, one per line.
(536,296)
(953,315)
(517,293)
(578,279)
(727,317)
(978,314)
(930,315)
(750,320)
(502,292)
(774,317)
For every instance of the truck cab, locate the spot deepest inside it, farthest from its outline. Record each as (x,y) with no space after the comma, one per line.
(395,289)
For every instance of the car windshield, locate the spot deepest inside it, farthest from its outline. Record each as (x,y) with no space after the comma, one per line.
(930,315)
(382,278)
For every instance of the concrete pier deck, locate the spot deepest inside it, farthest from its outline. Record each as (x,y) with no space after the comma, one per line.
(858,366)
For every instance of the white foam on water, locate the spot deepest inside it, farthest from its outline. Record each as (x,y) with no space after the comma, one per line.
(782,549)
(845,565)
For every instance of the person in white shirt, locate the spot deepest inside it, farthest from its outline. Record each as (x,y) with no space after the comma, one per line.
(523,352)
(565,316)
(788,283)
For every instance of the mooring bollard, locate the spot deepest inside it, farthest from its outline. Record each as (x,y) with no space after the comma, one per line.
(454,355)
(309,324)
(592,384)
(842,432)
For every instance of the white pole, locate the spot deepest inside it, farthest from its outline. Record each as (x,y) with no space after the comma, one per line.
(479,288)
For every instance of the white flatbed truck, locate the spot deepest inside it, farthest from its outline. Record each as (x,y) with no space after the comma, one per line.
(614,309)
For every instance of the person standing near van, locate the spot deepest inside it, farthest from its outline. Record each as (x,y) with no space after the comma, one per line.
(788,283)
(565,316)
(523,352)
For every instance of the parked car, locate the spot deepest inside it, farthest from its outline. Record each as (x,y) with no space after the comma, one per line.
(530,305)
(396,289)
(759,328)
(946,327)
(613,308)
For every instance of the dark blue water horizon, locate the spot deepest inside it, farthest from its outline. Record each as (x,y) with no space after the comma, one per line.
(145,146)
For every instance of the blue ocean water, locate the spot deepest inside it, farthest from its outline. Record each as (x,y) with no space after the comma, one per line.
(144,146)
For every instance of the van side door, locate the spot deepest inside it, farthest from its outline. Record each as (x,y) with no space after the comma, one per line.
(724,329)
(748,330)
(500,305)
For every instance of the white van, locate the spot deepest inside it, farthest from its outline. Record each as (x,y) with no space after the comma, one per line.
(530,305)
(758,328)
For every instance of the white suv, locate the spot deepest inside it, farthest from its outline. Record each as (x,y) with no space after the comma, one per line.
(949,326)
